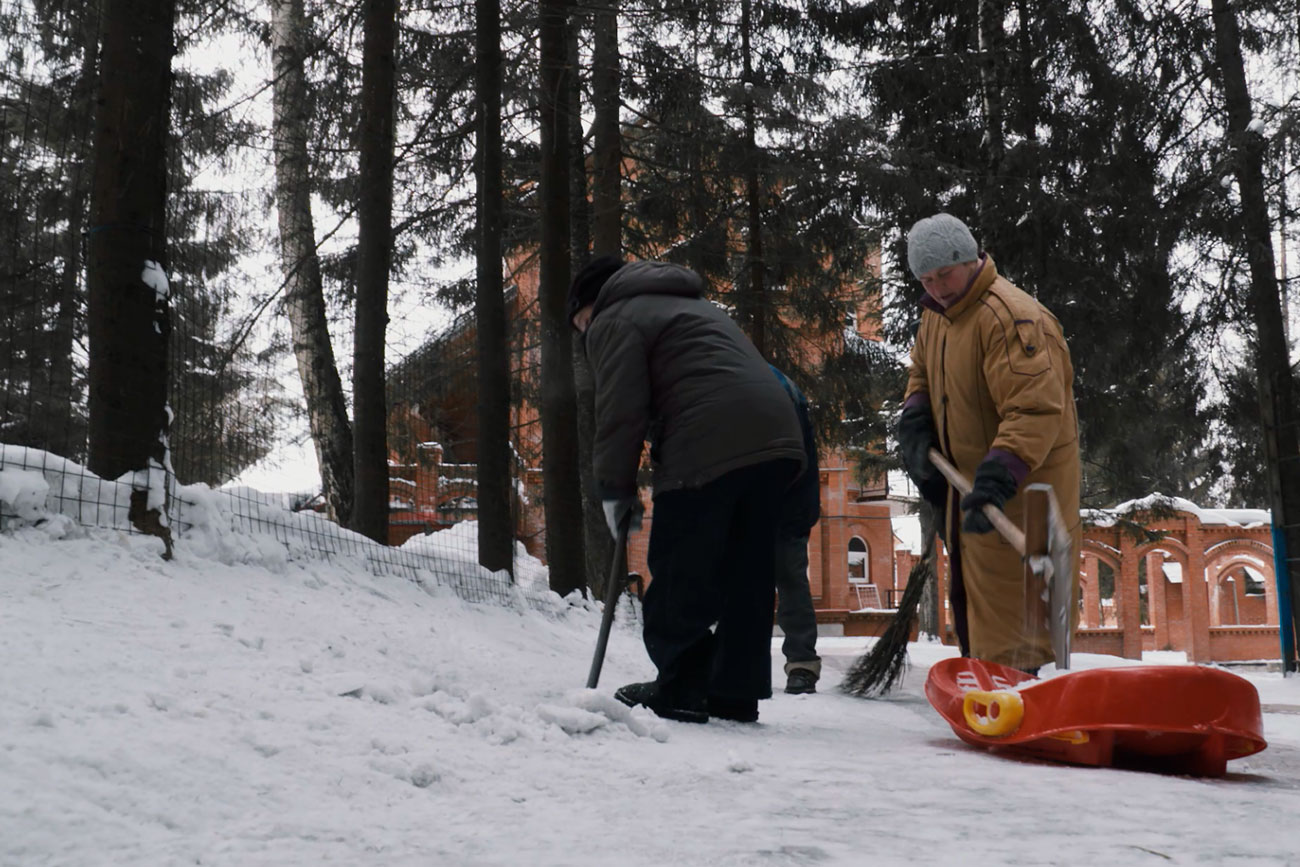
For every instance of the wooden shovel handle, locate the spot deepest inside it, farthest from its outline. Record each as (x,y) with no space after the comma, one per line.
(1009,531)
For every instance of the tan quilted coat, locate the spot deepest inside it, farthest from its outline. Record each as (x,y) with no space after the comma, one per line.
(999,376)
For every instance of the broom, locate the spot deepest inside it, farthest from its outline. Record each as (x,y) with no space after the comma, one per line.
(879,670)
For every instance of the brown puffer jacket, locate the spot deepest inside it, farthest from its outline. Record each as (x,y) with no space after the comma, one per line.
(998,374)
(675,369)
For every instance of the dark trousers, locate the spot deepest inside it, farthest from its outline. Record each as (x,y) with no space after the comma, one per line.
(708,611)
(795,613)
(956,581)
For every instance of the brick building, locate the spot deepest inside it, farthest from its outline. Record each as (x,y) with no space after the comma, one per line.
(432,457)
(1159,574)
(1213,595)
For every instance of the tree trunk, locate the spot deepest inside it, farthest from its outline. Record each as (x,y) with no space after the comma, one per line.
(756,303)
(1273,371)
(495,517)
(991,42)
(374,257)
(1283,215)
(579,206)
(597,545)
(698,252)
(128,294)
(1026,125)
(305,298)
(560,475)
(607,197)
(129,313)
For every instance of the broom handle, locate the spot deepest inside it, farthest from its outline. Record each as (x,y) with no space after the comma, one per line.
(1009,531)
(617,581)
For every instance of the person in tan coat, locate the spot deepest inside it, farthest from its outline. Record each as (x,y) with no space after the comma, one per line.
(991,387)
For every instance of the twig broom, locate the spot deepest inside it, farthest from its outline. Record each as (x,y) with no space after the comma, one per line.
(880,669)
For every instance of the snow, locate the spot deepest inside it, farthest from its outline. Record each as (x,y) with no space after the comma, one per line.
(907,532)
(23,492)
(1173,571)
(1228,517)
(249,704)
(155,278)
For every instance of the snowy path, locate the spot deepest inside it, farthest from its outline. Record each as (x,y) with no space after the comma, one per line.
(197,713)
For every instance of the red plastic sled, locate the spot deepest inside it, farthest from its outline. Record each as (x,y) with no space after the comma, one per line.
(1175,719)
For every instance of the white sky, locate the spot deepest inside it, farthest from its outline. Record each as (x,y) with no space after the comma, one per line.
(198,712)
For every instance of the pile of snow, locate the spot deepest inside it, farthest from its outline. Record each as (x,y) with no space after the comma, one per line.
(237,524)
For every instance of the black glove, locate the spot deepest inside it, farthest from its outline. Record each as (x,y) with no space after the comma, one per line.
(617,509)
(916,437)
(993,484)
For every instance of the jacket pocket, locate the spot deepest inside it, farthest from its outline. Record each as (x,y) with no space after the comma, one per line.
(1028,352)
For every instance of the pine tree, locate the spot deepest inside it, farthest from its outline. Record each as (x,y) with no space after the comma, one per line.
(606,217)
(745,170)
(564,540)
(128,319)
(1058,156)
(46,100)
(374,258)
(495,523)
(1275,380)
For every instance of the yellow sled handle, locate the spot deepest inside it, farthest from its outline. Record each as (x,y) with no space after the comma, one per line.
(1002,712)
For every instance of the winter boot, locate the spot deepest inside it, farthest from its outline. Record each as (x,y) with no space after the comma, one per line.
(651,694)
(800,681)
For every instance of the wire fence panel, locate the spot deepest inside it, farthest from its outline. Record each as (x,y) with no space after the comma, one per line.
(234,395)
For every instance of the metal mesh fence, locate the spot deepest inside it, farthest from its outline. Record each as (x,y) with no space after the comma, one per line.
(237,408)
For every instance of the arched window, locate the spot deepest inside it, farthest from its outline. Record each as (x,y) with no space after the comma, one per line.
(859,562)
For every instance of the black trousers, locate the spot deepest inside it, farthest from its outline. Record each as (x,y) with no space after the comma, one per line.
(708,612)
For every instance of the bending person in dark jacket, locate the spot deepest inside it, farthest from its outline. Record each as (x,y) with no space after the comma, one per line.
(800,510)
(725,443)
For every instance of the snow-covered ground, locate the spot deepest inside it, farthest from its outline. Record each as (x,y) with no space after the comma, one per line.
(237,706)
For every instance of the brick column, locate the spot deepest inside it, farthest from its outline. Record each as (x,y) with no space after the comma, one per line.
(819,564)
(1196,605)
(1157,599)
(835,584)
(1155,561)
(1126,599)
(1270,594)
(835,579)
(821,545)
(1219,606)
(1091,592)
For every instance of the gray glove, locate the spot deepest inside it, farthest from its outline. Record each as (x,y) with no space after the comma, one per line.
(623,507)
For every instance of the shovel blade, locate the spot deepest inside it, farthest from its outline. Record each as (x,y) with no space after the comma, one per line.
(1054,543)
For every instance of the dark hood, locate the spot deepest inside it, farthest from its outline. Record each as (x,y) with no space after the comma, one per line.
(648,278)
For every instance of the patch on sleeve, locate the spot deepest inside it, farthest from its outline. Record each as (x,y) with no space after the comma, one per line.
(1027,351)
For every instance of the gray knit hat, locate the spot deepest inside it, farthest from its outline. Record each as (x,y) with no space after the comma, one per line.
(937,241)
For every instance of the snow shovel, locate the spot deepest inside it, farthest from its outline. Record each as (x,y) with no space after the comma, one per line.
(613,587)
(1048,557)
